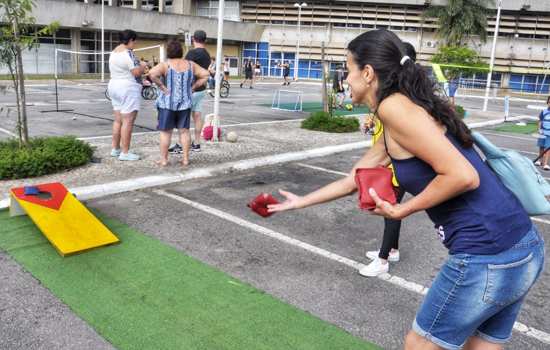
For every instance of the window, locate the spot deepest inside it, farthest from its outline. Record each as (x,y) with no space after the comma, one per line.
(208,8)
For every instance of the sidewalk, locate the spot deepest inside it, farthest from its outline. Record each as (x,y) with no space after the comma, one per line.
(254,141)
(264,140)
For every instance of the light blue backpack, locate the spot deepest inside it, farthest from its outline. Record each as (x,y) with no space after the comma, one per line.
(518,174)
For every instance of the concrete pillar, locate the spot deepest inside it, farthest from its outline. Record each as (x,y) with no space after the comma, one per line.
(75,59)
(182,7)
(136,5)
(162,6)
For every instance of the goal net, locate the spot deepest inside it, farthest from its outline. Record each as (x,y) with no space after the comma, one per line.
(77,78)
(287,100)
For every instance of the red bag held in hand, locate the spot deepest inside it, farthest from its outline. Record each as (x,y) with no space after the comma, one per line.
(380,179)
(260,203)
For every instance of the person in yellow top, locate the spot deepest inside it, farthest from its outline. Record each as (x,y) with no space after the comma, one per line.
(389,251)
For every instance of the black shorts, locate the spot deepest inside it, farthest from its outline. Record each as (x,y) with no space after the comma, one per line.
(248,75)
(169,120)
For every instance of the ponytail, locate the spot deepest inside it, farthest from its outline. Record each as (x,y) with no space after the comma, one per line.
(385,52)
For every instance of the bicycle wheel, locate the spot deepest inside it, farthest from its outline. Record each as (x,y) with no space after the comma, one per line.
(107,95)
(155,93)
(149,93)
(224,91)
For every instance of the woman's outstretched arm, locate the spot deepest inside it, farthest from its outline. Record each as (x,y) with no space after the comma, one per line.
(375,156)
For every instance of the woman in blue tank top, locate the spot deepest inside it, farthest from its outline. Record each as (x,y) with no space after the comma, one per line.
(495,252)
(179,79)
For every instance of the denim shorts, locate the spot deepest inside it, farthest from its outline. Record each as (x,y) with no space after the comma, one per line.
(480,295)
(544,142)
(169,120)
(197,98)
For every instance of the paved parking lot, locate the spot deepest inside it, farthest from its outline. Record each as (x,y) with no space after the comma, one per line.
(307,258)
(91,113)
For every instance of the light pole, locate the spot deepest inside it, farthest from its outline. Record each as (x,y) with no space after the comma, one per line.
(219,53)
(489,75)
(102,41)
(296,58)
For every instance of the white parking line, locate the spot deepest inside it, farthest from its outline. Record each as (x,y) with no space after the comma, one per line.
(517,150)
(321,169)
(547,222)
(398,281)
(537,107)
(7,132)
(531,139)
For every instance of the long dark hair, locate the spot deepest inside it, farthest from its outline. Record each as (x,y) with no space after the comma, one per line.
(383,50)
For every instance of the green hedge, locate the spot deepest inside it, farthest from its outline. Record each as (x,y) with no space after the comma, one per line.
(322,121)
(42,156)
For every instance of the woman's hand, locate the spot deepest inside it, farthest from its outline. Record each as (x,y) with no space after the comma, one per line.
(292,202)
(386,209)
(165,90)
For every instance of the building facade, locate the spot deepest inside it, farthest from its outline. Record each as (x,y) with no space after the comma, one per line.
(270,32)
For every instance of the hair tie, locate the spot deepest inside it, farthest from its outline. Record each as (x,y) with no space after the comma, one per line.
(404,59)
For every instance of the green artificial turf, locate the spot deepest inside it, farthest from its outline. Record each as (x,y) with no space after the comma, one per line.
(318,107)
(143,294)
(530,128)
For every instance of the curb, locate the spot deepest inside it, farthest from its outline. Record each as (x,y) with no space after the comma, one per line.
(102,190)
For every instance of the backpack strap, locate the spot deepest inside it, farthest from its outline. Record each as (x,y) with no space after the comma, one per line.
(489,149)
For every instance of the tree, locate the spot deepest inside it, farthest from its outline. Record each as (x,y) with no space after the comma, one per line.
(15,38)
(456,61)
(460,20)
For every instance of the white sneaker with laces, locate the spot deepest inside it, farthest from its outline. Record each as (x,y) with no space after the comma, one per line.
(538,163)
(375,268)
(393,257)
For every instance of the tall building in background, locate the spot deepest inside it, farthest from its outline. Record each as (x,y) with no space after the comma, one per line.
(267,31)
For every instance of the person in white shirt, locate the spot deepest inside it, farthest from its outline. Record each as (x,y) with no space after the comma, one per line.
(226,68)
(125,91)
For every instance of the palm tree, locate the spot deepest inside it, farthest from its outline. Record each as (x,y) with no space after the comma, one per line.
(460,20)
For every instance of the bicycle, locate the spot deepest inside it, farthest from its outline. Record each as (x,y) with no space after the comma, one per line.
(150,92)
(224,89)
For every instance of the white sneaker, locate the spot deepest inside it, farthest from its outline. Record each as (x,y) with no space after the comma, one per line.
(538,163)
(128,156)
(393,257)
(375,268)
(115,152)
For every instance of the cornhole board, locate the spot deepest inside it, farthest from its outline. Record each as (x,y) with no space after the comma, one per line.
(64,220)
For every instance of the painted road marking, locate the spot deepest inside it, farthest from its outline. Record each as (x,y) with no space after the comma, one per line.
(395,280)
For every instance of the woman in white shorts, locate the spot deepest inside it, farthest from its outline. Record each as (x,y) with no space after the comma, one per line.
(125,92)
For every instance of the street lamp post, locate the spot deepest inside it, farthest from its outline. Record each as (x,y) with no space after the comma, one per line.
(296,58)
(489,75)
(219,53)
(102,41)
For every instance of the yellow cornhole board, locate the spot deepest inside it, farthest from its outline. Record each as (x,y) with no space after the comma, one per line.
(64,220)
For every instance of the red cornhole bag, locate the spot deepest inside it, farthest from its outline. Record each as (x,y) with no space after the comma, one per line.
(260,203)
(208,132)
(379,178)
